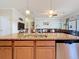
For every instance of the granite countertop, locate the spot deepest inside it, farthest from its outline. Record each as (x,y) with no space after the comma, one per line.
(39,36)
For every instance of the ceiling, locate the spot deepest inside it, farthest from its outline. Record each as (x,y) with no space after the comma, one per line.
(37,7)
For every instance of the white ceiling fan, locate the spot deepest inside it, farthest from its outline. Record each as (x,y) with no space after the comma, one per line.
(51,12)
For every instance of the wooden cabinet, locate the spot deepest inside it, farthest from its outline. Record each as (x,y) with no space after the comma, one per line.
(23,50)
(23,53)
(45,53)
(45,50)
(5,53)
(41,50)
(27,49)
(5,50)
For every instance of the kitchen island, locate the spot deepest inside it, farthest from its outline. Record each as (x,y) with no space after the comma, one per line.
(31,46)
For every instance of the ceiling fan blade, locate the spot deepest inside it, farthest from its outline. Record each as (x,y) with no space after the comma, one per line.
(44,13)
(55,15)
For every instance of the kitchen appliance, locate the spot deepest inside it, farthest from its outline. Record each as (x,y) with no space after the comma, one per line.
(67,49)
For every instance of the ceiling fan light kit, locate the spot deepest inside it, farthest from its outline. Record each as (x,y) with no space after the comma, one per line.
(52,13)
(28,12)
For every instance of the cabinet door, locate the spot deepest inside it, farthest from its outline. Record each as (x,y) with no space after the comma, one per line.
(23,53)
(45,53)
(5,53)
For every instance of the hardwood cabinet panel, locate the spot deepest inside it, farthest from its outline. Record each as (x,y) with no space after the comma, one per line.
(23,43)
(45,43)
(45,53)
(5,53)
(5,43)
(23,53)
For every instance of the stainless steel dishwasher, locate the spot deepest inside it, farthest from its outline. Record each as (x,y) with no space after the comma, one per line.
(67,49)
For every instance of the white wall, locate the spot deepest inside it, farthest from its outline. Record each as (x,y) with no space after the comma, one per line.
(6,12)
(13,16)
(16,16)
(4,26)
(6,15)
(53,23)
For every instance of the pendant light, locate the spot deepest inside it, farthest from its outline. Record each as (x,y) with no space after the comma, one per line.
(28,11)
(52,12)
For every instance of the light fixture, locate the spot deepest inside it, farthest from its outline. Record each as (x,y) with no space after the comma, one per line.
(28,11)
(52,12)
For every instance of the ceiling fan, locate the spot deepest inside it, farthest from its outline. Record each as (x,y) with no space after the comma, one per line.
(51,12)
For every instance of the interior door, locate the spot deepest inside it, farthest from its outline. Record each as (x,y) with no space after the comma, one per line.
(4,25)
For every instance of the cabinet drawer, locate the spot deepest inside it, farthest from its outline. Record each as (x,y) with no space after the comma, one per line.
(5,43)
(45,43)
(23,43)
